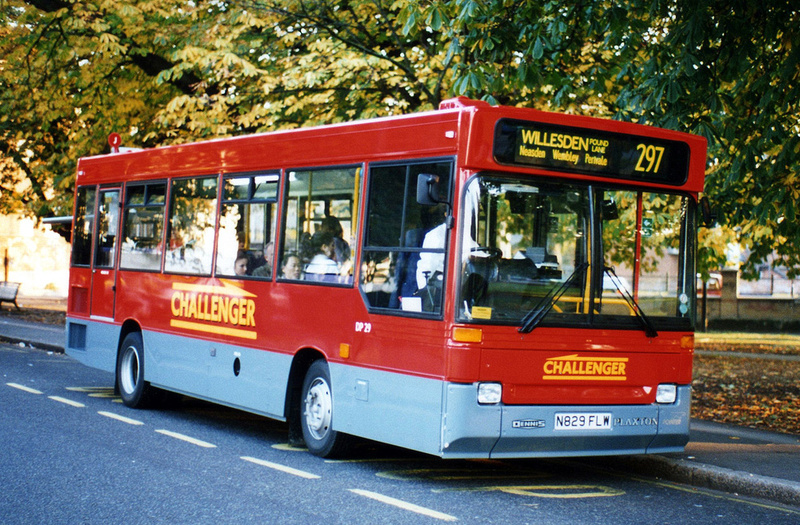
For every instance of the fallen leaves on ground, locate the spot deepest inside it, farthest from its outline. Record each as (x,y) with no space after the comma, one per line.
(34,315)
(753,392)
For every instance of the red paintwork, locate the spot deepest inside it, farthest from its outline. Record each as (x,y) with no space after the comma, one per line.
(290,316)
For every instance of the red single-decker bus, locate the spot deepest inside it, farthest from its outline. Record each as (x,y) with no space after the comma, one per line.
(476,281)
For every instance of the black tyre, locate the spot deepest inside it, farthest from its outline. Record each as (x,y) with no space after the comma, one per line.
(316,414)
(134,390)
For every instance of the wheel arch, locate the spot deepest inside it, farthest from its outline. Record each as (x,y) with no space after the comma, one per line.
(300,364)
(129,326)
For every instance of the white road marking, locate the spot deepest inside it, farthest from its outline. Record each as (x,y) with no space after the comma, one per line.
(187,439)
(67,401)
(285,447)
(120,418)
(282,468)
(404,505)
(24,388)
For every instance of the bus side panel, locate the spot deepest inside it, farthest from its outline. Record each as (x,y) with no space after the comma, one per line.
(176,363)
(250,378)
(245,378)
(93,343)
(393,408)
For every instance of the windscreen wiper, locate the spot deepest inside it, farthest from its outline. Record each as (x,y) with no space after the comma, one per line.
(546,303)
(649,329)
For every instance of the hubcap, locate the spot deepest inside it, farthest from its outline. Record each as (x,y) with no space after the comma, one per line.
(129,371)
(318,409)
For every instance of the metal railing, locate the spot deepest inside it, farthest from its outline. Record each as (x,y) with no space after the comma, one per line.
(771,285)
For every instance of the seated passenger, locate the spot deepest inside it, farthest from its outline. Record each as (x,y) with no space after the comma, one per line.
(430,268)
(431,263)
(322,266)
(341,247)
(406,269)
(291,268)
(263,265)
(240,266)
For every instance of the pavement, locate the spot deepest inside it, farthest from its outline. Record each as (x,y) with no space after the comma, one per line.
(728,458)
(737,460)
(37,335)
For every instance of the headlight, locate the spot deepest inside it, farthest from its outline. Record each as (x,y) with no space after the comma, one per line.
(666,394)
(489,393)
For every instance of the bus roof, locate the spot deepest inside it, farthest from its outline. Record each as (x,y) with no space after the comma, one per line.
(460,126)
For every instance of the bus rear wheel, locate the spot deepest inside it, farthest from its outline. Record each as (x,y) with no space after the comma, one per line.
(134,390)
(316,408)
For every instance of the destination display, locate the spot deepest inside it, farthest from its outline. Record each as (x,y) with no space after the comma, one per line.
(567,148)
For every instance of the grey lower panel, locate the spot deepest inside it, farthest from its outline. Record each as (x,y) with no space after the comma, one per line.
(471,430)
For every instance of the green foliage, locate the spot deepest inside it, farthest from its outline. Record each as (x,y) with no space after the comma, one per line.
(169,71)
(729,71)
(67,81)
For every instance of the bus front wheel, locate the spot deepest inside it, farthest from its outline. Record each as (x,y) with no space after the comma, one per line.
(134,390)
(317,413)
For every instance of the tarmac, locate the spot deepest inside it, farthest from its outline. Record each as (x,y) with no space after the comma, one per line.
(727,458)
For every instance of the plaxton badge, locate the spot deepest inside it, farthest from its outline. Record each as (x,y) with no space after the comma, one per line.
(635,422)
(223,308)
(576,368)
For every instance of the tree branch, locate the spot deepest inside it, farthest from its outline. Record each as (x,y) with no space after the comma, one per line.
(150,63)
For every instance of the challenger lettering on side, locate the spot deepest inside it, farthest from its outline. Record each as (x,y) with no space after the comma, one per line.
(224,310)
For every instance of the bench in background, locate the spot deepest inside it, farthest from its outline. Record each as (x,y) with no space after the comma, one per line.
(8,293)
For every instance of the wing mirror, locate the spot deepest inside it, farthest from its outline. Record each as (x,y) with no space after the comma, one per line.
(428,194)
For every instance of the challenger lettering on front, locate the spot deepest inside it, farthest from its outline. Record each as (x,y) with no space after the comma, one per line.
(577,368)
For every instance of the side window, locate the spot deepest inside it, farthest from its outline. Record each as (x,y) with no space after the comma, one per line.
(84,226)
(192,218)
(404,252)
(319,225)
(143,234)
(247,225)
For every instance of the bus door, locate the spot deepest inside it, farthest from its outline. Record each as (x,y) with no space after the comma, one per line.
(104,275)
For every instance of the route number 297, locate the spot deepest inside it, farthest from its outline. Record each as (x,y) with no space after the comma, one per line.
(649,158)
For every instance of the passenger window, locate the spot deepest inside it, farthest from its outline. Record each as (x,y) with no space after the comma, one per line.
(405,249)
(319,226)
(144,224)
(245,246)
(192,218)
